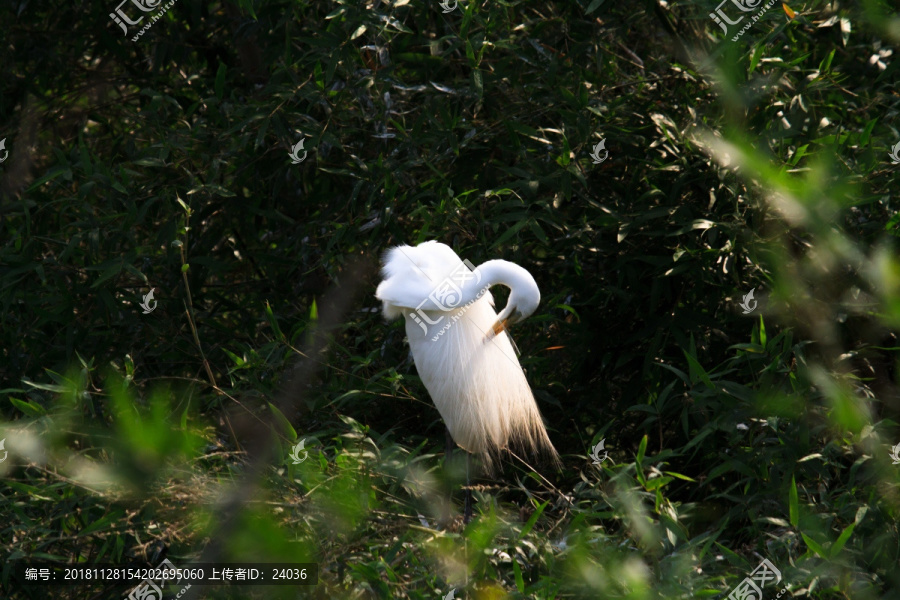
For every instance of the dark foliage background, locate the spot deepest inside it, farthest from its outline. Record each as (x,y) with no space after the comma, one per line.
(162,163)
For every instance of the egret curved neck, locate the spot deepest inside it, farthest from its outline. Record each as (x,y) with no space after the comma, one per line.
(501,272)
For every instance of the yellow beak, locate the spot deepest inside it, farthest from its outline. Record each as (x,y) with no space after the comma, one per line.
(499,327)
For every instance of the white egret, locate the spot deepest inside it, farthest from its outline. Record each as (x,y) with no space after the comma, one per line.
(461,348)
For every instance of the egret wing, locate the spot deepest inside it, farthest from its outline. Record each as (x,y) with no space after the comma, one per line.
(421,277)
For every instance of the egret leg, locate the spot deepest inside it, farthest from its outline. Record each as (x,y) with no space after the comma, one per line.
(448,453)
(467,514)
(448,450)
(467,510)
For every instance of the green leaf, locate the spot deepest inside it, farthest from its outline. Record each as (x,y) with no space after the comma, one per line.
(642,449)
(866,135)
(594,6)
(721,469)
(220,81)
(538,232)
(51,175)
(517,573)
(533,519)
(248,5)
(47,556)
(794,503)
(282,420)
(681,374)
(825,65)
(657,482)
(757,55)
(149,162)
(509,233)
(102,522)
(697,371)
(468,14)
(732,557)
(49,387)
(800,153)
(359,31)
(218,190)
(751,348)
(814,546)
(111,271)
(841,541)
(470,54)
(238,361)
(31,408)
(273,322)
(679,476)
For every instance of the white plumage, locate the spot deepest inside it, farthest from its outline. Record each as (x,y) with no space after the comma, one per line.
(460,345)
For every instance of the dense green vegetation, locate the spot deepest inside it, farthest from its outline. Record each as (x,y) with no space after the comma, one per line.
(760,163)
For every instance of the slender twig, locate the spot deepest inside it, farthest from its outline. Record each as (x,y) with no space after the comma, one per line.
(189,311)
(189,306)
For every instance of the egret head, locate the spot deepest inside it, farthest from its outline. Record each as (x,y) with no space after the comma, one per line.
(524,295)
(521,305)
